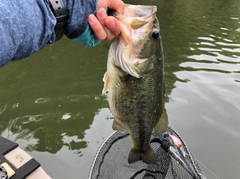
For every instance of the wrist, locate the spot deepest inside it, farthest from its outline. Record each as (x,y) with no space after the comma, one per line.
(60,12)
(88,38)
(78,16)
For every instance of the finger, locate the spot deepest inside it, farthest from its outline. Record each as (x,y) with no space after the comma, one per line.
(97,27)
(113,25)
(110,35)
(101,16)
(117,5)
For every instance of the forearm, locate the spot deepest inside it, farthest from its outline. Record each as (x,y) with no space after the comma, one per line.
(78,10)
(27,26)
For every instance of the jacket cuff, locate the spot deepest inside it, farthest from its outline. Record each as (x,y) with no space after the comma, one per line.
(88,37)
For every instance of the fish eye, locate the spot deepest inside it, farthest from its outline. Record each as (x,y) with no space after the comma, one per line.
(155,34)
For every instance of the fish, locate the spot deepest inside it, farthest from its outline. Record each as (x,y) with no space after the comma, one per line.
(134,81)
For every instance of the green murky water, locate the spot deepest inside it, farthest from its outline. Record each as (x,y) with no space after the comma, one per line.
(51,103)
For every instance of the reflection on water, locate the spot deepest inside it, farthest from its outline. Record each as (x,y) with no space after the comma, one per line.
(203,55)
(51,103)
(213,55)
(41,100)
(51,121)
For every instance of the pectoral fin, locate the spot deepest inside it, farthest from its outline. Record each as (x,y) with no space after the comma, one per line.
(106,81)
(162,124)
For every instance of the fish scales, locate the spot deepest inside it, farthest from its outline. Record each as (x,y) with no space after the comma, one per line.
(140,99)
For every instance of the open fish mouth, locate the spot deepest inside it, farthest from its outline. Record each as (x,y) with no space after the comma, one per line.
(134,18)
(136,23)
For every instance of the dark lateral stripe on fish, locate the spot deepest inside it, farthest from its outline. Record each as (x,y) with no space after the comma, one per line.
(141,123)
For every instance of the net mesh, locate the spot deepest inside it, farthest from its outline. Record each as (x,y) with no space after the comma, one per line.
(111,160)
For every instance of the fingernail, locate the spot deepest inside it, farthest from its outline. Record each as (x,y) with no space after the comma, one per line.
(102,13)
(91,19)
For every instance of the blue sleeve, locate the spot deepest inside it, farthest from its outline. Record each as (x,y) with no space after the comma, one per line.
(27,26)
(79,28)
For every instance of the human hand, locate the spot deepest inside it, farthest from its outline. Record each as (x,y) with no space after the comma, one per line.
(106,27)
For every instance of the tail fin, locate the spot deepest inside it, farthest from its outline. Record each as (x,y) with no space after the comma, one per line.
(147,157)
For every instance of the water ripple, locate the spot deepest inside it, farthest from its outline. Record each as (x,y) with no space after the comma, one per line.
(208,44)
(41,100)
(227,44)
(202,57)
(210,49)
(224,58)
(206,38)
(215,53)
(232,50)
(3,109)
(220,67)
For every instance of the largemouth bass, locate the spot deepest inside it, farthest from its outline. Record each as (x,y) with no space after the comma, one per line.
(135,80)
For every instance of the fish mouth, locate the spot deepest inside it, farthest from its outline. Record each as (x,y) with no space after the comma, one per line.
(133,19)
(135,22)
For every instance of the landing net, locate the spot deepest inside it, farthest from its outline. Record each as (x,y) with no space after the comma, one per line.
(174,160)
